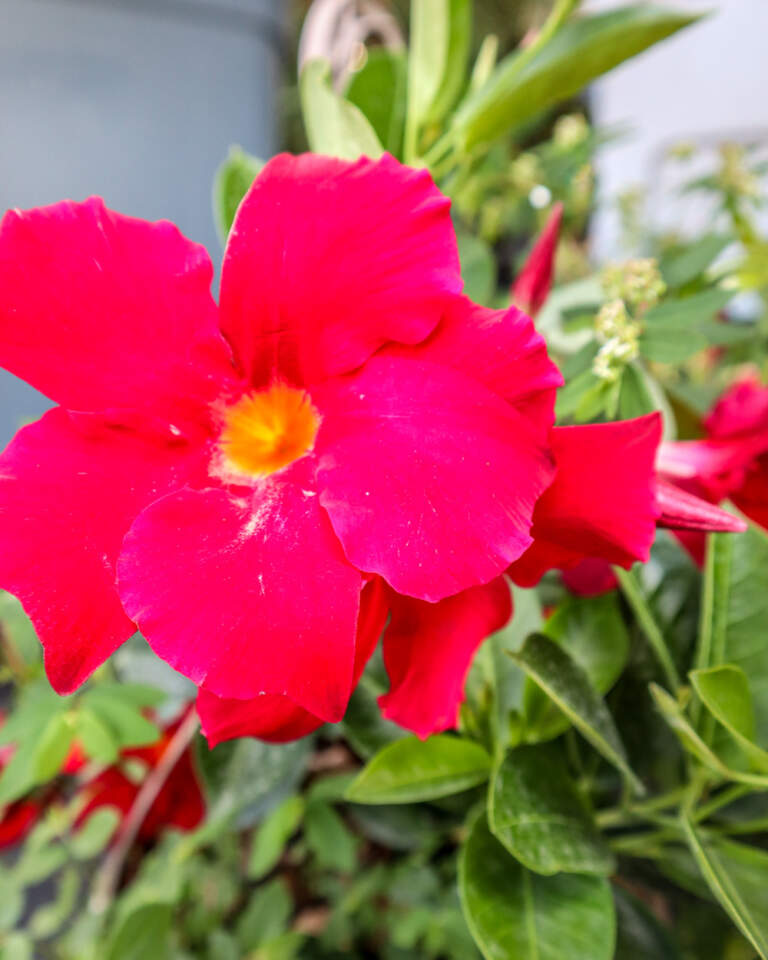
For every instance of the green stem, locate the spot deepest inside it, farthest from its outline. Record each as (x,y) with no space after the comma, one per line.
(712,627)
(624,816)
(729,795)
(634,595)
(645,844)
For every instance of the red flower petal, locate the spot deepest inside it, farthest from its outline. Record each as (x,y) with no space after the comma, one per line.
(246,597)
(602,503)
(742,409)
(501,349)
(328,260)
(590,578)
(16,820)
(534,282)
(102,311)
(428,649)
(428,477)
(68,494)
(683,511)
(278,719)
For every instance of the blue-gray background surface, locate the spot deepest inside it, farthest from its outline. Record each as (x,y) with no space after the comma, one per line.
(135,100)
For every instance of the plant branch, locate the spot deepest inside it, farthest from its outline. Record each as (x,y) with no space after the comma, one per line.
(107,879)
(634,596)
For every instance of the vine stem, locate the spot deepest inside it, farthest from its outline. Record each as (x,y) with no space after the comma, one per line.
(634,595)
(107,879)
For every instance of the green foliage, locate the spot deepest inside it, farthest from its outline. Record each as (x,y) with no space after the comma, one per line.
(230,184)
(513,912)
(411,770)
(334,125)
(523,85)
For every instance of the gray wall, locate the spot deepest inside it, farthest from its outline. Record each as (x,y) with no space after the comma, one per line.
(135,100)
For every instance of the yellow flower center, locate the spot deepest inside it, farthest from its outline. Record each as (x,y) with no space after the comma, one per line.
(265,431)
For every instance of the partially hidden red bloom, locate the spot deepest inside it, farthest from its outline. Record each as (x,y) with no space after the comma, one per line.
(17,818)
(258,486)
(532,285)
(731,462)
(179,802)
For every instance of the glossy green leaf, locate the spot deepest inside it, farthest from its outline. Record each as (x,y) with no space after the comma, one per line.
(412,770)
(378,90)
(441,32)
(726,694)
(536,811)
(738,877)
(515,914)
(231,182)
(583,49)
(334,125)
(592,632)
(640,935)
(568,685)
(272,836)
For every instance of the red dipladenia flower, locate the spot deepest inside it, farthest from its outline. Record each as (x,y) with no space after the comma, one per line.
(257,486)
(731,462)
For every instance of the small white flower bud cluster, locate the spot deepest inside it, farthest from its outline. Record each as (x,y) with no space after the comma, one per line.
(633,287)
(637,282)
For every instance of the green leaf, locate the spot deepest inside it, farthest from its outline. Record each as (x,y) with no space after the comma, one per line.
(635,399)
(478,267)
(18,946)
(142,933)
(670,344)
(53,747)
(441,33)
(725,692)
(592,632)
(683,312)
(329,839)
(378,90)
(568,685)
(693,743)
(122,717)
(680,267)
(231,182)
(738,876)
(412,770)
(736,611)
(99,743)
(640,935)
(91,837)
(334,126)
(266,916)
(513,913)
(583,49)
(536,811)
(272,836)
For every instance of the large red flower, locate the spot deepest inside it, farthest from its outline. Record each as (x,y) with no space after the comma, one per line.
(228,479)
